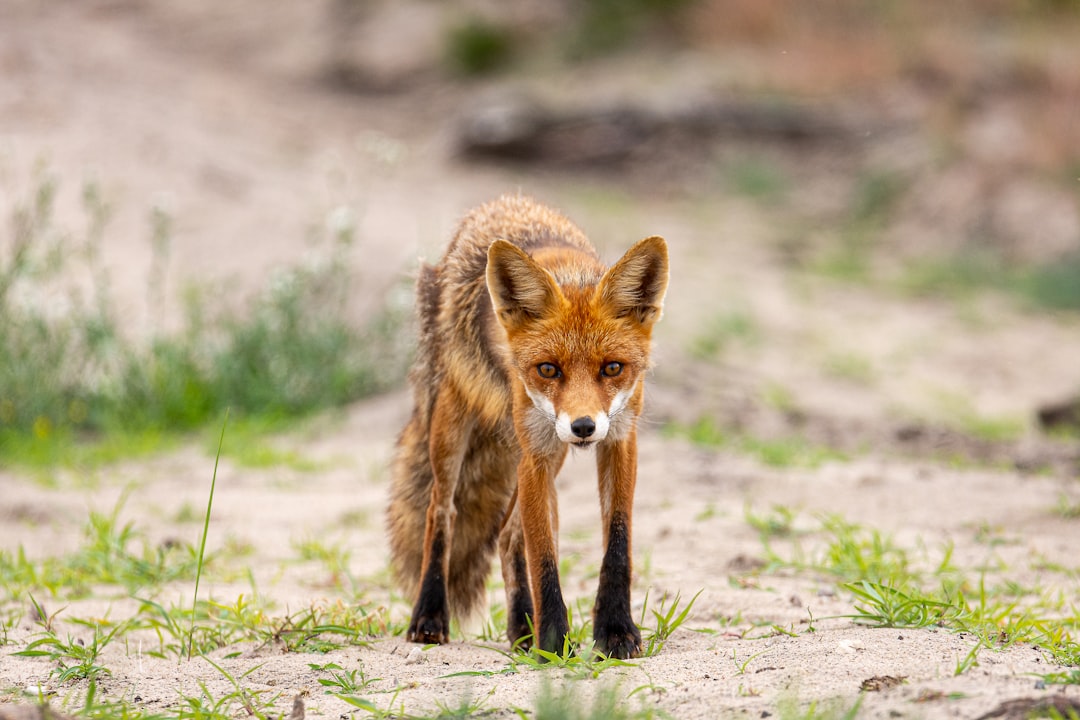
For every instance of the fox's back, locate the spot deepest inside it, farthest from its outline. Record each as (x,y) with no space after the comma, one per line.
(460,333)
(517,219)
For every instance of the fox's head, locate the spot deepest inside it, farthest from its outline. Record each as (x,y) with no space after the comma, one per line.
(579,336)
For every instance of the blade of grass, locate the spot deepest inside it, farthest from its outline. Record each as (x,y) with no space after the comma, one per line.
(206,531)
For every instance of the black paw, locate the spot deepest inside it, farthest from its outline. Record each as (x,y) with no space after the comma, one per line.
(429,629)
(520,634)
(619,639)
(553,634)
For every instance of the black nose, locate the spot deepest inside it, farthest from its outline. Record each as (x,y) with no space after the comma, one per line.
(583,427)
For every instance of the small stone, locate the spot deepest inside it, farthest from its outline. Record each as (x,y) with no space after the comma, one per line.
(850,646)
(415,657)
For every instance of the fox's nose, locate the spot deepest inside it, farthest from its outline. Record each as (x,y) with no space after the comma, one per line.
(583,427)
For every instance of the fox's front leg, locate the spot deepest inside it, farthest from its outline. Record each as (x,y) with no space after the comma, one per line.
(539,523)
(450,433)
(614,630)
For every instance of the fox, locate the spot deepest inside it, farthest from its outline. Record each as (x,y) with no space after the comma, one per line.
(529,346)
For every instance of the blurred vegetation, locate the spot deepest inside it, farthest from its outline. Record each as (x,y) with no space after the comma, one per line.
(478,47)
(724,330)
(784,452)
(1044,286)
(608,25)
(69,372)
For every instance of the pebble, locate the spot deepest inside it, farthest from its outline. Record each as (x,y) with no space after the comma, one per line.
(850,646)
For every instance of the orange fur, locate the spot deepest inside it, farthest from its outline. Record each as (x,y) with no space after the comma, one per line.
(528,345)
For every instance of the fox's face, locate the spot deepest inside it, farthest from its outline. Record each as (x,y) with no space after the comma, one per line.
(580,348)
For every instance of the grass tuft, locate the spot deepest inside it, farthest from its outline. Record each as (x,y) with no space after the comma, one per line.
(668,619)
(70,371)
(206,531)
(1046,286)
(478,47)
(569,702)
(784,452)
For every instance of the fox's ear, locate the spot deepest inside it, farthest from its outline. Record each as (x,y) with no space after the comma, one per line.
(635,286)
(520,289)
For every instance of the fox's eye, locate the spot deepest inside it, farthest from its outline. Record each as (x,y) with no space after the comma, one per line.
(612,369)
(548,371)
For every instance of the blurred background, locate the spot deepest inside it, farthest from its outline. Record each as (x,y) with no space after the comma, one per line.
(873,208)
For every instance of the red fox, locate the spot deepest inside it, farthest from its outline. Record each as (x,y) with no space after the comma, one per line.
(528,346)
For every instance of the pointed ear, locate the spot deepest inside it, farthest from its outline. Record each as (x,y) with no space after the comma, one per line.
(520,289)
(635,286)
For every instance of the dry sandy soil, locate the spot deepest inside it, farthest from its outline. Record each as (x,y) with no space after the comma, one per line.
(223,119)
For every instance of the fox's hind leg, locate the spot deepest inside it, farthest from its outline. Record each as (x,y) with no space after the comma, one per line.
(451,431)
(519,608)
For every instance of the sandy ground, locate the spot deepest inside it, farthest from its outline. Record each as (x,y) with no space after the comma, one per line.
(170,110)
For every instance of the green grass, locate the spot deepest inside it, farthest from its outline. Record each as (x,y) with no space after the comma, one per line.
(1055,286)
(570,702)
(75,658)
(847,552)
(255,442)
(890,586)
(850,367)
(478,47)
(251,703)
(1051,286)
(342,681)
(780,453)
(837,709)
(959,412)
(578,657)
(780,522)
(977,267)
(206,530)
(894,587)
(77,389)
(959,275)
(874,198)
(758,177)
(883,605)
(606,26)
(334,560)
(722,332)
(113,554)
(667,619)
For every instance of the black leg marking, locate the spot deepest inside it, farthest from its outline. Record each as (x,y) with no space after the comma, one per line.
(521,609)
(553,627)
(614,630)
(431,617)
